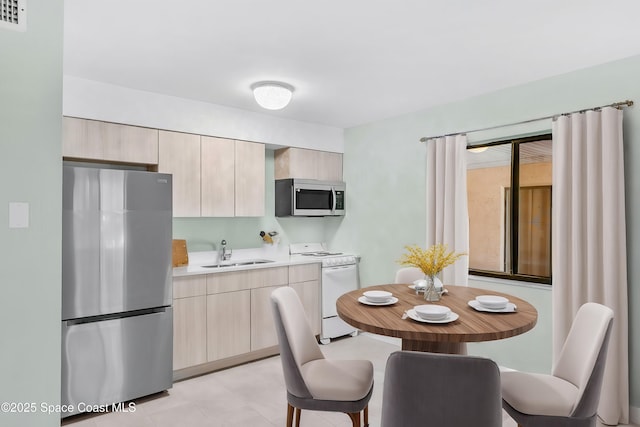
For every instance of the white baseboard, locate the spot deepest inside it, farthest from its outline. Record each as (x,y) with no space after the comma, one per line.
(390,340)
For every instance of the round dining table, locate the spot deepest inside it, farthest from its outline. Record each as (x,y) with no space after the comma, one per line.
(470,326)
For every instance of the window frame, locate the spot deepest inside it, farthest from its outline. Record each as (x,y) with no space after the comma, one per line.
(515,208)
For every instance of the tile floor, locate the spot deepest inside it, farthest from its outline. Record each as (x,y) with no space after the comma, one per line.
(249,395)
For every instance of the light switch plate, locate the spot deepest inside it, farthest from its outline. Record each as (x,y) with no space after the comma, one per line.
(18,215)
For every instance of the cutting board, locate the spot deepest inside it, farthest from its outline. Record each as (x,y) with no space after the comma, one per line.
(180,255)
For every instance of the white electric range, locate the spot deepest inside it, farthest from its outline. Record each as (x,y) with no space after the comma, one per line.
(339,276)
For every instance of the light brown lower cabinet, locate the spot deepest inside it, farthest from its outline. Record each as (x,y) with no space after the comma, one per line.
(263,330)
(225,318)
(228,324)
(189,332)
(189,321)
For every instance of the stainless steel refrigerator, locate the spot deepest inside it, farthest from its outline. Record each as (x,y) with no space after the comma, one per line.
(117,320)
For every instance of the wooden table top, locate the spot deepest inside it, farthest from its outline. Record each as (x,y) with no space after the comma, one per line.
(471,326)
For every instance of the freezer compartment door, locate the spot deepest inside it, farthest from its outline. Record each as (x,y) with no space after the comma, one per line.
(116,360)
(116,241)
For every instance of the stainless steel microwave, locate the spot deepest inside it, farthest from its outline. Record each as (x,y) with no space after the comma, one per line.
(308,197)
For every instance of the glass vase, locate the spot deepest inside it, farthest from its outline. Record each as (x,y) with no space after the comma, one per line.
(431,292)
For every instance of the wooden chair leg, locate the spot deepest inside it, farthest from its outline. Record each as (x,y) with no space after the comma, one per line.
(298,415)
(289,415)
(366,416)
(355,418)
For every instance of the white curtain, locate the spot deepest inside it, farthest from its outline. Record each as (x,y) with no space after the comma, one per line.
(447,213)
(589,241)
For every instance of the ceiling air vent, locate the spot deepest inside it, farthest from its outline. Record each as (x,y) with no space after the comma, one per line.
(13,14)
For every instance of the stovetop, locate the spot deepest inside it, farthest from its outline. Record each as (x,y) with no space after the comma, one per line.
(318,250)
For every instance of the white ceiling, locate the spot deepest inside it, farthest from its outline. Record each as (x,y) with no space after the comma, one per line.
(351,61)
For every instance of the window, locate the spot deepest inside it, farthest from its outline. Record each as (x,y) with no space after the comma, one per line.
(509,194)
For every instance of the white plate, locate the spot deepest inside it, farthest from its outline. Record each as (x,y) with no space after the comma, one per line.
(510,308)
(365,301)
(450,318)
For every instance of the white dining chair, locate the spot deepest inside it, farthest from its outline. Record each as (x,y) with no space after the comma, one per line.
(408,275)
(313,382)
(568,397)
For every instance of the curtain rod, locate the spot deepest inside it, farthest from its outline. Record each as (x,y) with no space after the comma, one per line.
(627,103)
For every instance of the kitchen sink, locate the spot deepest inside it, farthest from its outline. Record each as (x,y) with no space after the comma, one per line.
(239,263)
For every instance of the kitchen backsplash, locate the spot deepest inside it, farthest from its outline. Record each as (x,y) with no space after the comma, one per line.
(205,234)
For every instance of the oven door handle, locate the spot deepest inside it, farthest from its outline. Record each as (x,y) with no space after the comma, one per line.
(338,267)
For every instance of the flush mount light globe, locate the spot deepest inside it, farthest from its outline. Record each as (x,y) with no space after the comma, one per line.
(272,95)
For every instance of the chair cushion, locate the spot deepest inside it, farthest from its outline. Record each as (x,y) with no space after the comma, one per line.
(329,379)
(538,394)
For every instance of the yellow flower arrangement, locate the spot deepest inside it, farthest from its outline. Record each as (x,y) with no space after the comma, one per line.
(432,260)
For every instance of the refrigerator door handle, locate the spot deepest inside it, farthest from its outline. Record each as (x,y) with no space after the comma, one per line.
(124,315)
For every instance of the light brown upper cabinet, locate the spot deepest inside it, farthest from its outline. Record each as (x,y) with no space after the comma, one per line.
(308,164)
(213,177)
(250,178)
(179,155)
(112,142)
(218,176)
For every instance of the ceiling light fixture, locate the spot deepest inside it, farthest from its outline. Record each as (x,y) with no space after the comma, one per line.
(272,95)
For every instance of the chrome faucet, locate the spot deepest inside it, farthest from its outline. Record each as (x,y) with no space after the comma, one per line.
(223,253)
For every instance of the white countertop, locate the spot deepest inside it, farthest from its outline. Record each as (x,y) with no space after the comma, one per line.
(279,256)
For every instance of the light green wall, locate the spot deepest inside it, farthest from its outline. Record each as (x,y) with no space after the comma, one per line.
(30,141)
(205,234)
(517,352)
(384,171)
